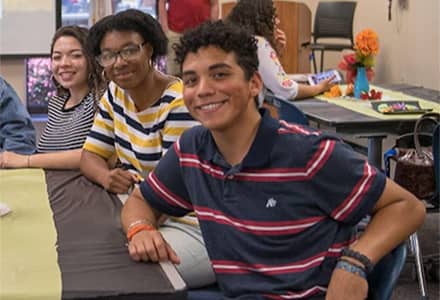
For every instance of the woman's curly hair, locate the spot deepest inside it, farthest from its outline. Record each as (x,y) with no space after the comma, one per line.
(224,35)
(130,20)
(256,16)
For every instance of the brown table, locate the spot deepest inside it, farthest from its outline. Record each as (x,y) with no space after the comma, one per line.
(67,243)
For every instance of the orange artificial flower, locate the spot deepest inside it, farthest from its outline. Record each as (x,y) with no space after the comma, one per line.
(335,91)
(367,43)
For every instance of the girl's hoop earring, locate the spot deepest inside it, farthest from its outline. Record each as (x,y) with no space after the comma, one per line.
(104,77)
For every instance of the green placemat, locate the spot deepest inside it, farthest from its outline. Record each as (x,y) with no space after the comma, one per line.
(364,106)
(28,256)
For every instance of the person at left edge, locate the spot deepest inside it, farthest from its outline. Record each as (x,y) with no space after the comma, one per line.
(17,133)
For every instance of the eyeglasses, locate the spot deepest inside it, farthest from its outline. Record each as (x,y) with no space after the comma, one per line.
(108,58)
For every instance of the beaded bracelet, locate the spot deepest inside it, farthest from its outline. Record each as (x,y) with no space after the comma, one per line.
(138,228)
(350,267)
(359,257)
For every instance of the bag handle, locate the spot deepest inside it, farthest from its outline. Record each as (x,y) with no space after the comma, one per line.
(431,117)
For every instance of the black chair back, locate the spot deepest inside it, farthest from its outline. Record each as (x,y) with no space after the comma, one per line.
(334,20)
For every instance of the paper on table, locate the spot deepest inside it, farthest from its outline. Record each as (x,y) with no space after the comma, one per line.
(4,209)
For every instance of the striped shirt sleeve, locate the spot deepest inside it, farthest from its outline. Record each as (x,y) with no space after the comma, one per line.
(164,188)
(351,185)
(101,137)
(177,121)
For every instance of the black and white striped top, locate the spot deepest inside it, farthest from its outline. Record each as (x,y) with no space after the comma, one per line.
(67,129)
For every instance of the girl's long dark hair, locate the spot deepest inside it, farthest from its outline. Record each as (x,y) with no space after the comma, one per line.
(95,81)
(256,16)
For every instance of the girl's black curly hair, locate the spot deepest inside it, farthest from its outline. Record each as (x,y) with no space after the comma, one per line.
(129,20)
(225,36)
(256,16)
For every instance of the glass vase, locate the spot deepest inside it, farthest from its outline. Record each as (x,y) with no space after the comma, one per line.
(361,83)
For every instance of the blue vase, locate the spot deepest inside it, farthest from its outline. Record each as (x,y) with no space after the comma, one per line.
(361,84)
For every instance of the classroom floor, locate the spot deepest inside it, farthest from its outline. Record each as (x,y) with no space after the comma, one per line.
(407,287)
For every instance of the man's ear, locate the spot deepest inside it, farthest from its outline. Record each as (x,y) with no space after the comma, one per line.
(255,84)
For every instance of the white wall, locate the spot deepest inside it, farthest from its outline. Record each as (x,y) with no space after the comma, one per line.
(410,43)
(14,71)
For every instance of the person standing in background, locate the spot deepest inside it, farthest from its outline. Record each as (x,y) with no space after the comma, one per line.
(181,15)
(71,111)
(16,130)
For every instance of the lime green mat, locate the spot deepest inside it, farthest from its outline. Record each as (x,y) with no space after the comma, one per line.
(28,256)
(364,106)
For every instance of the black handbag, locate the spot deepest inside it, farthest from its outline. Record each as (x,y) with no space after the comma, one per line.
(414,163)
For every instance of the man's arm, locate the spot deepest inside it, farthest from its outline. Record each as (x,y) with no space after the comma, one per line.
(146,244)
(163,18)
(396,215)
(214,9)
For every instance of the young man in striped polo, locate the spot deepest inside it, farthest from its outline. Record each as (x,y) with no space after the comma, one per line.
(277,203)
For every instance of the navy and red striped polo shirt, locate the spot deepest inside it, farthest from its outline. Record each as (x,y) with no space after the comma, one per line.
(275,224)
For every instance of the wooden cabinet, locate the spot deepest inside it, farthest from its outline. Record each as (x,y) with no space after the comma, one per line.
(295,21)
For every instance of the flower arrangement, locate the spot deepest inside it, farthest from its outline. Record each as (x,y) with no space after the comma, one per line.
(366,48)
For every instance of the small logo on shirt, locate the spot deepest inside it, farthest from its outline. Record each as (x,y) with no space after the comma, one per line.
(271,203)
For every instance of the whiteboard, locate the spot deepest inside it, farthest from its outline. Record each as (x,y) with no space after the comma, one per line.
(27,26)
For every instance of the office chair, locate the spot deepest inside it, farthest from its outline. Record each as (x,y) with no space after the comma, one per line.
(435,270)
(436,157)
(384,276)
(426,138)
(381,281)
(332,20)
(286,110)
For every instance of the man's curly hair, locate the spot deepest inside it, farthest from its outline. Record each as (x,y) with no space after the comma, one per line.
(256,16)
(129,20)
(224,35)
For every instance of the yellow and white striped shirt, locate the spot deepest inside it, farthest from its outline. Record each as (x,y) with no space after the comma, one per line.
(139,138)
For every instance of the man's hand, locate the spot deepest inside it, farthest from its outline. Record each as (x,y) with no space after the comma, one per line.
(151,246)
(11,160)
(346,286)
(119,181)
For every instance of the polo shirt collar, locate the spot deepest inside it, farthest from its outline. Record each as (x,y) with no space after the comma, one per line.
(261,148)
(259,153)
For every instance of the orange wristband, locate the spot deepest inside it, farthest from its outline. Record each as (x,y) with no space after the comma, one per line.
(137,228)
